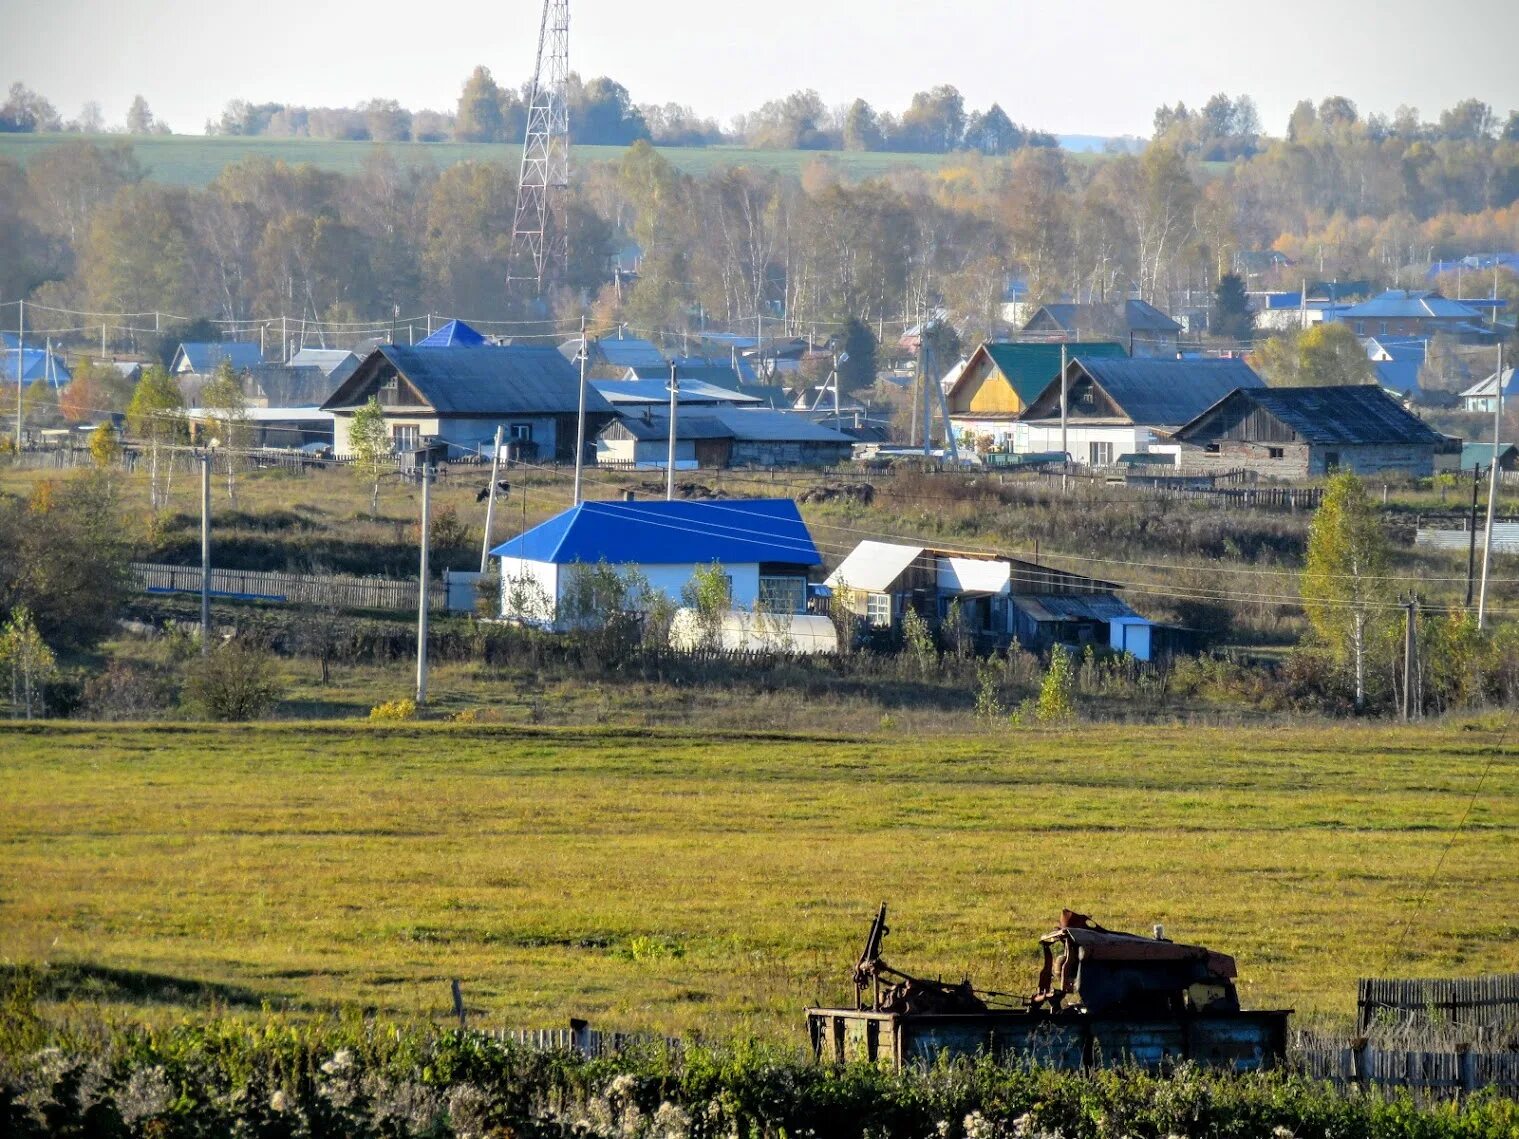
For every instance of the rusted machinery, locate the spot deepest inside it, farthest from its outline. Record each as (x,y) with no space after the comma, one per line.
(1104,998)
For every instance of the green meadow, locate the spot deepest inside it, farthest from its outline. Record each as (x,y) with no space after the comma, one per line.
(717,881)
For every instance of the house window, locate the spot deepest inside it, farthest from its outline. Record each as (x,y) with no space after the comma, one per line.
(878,609)
(1331,462)
(1275,452)
(405,436)
(1101,454)
(783,594)
(522,432)
(1210,448)
(389,393)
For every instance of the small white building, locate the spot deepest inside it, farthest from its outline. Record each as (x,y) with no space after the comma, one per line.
(762,546)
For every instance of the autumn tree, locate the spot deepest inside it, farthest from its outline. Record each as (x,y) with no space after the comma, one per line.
(156,417)
(479,117)
(1344,583)
(369,441)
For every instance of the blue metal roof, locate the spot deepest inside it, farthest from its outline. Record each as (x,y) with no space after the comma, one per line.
(1401,376)
(34,366)
(1409,303)
(205,357)
(734,531)
(454,334)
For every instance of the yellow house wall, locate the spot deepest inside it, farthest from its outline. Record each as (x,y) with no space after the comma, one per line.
(993,395)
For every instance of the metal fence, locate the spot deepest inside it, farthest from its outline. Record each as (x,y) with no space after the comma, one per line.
(456,593)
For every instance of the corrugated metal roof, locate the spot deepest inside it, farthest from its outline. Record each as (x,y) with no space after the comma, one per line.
(1401,376)
(734,531)
(658,392)
(764,425)
(1488,385)
(205,357)
(484,380)
(454,334)
(1030,367)
(1135,316)
(34,366)
(628,353)
(1161,393)
(1408,303)
(337,364)
(1348,414)
(873,566)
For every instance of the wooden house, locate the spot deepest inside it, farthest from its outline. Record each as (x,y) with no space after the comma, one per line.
(992,388)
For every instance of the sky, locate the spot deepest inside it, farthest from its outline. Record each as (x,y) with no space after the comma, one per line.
(1095,67)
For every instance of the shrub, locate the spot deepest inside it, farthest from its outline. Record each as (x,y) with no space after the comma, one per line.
(237,681)
(127,692)
(1056,704)
(394,711)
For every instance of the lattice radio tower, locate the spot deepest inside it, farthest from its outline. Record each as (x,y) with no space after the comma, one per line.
(545,174)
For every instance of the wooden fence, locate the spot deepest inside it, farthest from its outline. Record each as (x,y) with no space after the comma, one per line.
(1490,1003)
(587,1041)
(1427,1074)
(331,590)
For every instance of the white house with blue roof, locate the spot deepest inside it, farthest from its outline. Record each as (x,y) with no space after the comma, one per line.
(762,545)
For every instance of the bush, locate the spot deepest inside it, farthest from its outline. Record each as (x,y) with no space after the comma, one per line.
(237,681)
(127,692)
(394,711)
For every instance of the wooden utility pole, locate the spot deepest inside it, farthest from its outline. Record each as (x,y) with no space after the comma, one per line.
(490,502)
(422,583)
(205,552)
(1492,495)
(1410,654)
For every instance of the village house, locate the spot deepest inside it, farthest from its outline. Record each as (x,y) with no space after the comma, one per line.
(1479,457)
(335,364)
(762,546)
(721,435)
(1297,433)
(458,396)
(1410,312)
(1482,396)
(1397,363)
(1141,327)
(1000,599)
(201,359)
(998,382)
(1117,407)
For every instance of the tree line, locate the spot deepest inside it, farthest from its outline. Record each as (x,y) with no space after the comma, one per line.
(86,229)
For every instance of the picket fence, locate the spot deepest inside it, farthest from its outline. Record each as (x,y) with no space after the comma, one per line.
(1490,1002)
(454,594)
(587,1041)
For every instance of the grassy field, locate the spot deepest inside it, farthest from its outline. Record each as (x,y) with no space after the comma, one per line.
(194,160)
(718,882)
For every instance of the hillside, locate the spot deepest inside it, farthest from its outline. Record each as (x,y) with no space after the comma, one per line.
(194,160)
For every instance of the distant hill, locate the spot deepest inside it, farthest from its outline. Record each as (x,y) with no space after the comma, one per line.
(194,160)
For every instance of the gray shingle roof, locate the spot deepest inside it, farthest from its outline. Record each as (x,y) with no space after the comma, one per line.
(752,425)
(478,381)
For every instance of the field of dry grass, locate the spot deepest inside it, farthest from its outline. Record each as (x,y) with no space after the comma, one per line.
(717,880)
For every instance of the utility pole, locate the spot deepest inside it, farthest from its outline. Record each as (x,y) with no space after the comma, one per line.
(1471,547)
(490,503)
(925,374)
(1410,610)
(205,552)
(1065,446)
(1492,495)
(20,366)
(670,459)
(422,582)
(580,419)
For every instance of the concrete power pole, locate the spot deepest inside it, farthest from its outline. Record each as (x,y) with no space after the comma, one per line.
(1492,494)
(490,502)
(422,583)
(670,458)
(580,417)
(205,552)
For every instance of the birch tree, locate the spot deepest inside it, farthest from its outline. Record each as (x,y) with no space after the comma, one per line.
(1344,582)
(156,417)
(370,443)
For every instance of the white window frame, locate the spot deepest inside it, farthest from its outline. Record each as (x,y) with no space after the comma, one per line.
(1100,453)
(405,436)
(878,610)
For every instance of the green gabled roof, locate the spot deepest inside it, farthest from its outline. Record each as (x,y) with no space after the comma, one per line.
(1031,367)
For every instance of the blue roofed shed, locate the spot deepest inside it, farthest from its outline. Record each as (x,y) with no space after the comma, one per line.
(762,546)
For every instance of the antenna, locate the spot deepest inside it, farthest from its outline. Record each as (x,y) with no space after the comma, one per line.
(545,173)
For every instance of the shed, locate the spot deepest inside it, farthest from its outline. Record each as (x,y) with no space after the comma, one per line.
(724,436)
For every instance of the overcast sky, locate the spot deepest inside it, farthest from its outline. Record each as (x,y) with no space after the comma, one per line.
(1090,67)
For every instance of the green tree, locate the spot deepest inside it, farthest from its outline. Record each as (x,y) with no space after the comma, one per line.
(1232,318)
(105,448)
(1344,584)
(862,130)
(859,371)
(139,117)
(30,661)
(1057,692)
(156,416)
(479,117)
(369,442)
(1326,354)
(709,597)
(238,681)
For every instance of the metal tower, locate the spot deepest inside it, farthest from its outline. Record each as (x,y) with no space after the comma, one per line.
(545,173)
